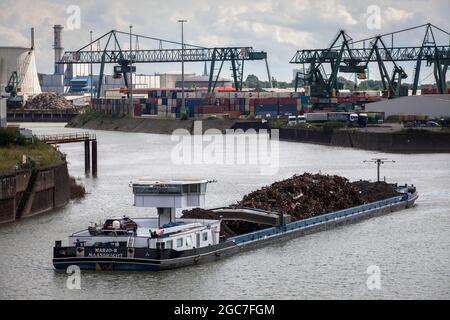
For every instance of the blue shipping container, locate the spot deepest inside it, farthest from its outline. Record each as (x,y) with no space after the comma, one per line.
(287,108)
(266,107)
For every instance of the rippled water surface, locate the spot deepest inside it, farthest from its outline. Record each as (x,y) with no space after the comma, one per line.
(411,247)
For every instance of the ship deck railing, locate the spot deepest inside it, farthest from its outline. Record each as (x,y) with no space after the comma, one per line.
(308,222)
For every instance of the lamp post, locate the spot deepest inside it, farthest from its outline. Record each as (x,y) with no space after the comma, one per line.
(131,69)
(183,105)
(379,162)
(91,71)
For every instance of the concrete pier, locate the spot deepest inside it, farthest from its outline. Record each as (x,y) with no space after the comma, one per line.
(94,158)
(87,156)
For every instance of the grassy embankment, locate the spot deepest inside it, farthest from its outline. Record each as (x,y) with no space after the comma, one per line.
(13,147)
(155,125)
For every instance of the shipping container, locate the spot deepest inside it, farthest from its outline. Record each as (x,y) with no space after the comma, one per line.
(287,101)
(210,109)
(282,109)
(266,107)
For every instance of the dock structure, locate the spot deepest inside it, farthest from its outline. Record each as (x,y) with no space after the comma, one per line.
(26,115)
(90,142)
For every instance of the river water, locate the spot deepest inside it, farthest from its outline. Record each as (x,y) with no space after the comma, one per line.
(411,248)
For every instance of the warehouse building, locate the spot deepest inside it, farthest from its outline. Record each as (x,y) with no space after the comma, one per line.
(433,105)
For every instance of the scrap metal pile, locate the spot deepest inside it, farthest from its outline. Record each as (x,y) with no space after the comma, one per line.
(375,191)
(49,101)
(302,196)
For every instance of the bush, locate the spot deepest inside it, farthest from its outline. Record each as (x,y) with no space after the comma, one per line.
(184,116)
(393,119)
(277,123)
(77,191)
(11,136)
(329,127)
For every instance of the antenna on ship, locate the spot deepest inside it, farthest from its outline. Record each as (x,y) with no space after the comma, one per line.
(379,162)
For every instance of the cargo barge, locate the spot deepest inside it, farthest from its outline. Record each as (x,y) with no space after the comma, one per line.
(152,244)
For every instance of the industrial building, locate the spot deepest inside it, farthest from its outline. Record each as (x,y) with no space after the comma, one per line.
(18,74)
(431,105)
(194,81)
(3,122)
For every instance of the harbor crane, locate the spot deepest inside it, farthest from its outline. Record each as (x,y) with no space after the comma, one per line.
(14,86)
(349,56)
(125,60)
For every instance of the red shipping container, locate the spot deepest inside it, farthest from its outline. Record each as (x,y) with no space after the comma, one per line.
(210,109)
(287,101)
(234,113)
(137,111)
(225,102)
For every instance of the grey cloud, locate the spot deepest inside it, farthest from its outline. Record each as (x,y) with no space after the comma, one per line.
(278,27)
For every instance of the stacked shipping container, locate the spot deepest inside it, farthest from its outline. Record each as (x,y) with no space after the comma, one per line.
(166,103)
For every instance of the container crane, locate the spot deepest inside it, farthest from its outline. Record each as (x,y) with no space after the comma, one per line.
(343,56)
(113,53)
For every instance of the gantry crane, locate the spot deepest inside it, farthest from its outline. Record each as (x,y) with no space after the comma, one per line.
(125,59)
(14,86)
(343,55)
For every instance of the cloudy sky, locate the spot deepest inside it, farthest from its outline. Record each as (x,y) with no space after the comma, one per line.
(279,27)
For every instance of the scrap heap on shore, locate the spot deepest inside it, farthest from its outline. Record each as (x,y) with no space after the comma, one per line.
(301,196)
(49,101)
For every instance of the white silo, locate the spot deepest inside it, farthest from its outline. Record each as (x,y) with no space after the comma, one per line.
(22,61)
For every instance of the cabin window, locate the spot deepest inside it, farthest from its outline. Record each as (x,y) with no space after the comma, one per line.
(160,245)
(179,242)
(189,241)
(169,244)
(205,236)
(194,188)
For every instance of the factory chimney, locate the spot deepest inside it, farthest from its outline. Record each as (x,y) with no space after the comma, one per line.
(59,68)
(32,38)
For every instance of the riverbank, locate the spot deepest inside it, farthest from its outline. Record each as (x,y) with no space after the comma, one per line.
(29,192)
(34,177)
(392,141)
(402,141)
(101,121)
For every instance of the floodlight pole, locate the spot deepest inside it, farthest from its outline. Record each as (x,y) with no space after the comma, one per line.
(183,105)
(379,162)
